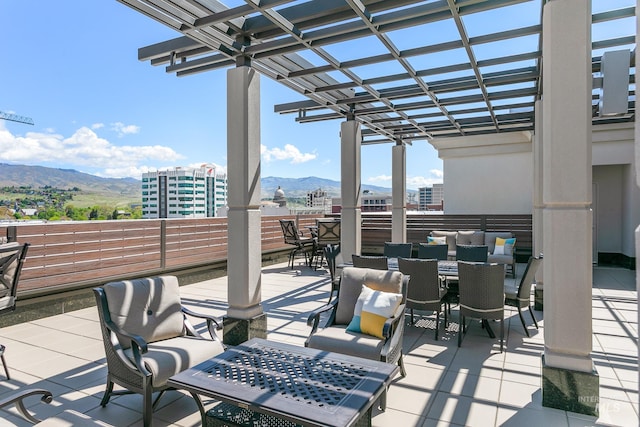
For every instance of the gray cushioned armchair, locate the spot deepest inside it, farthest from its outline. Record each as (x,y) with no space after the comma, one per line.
(334,335)
(148,338)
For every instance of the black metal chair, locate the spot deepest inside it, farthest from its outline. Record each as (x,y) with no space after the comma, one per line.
(472,253)
(330,254)
(426,289)
(12,256)
(481,289)
(520,297)
(398,250)
(304,245)
(427,251)
(370,261)
(328,233)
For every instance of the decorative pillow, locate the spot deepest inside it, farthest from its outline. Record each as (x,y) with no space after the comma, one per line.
(437,240)
(372,310)
(504,246)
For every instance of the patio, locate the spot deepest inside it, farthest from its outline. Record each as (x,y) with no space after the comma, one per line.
(445,385)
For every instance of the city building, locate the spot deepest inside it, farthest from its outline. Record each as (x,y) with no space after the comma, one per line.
(183,193)
(319,199)
(376,202)
(431,198)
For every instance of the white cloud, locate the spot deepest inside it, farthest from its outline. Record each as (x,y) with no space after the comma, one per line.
(97,126)
(413,182)
(380,179)
(289,152)
(82,149)
(123,129)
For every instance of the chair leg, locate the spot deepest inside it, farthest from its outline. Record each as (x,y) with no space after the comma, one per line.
(411,309)
(147,408)
(501,333)
(535,322)
(107,393)
(526,331)
(461,329)
(4,362)
(403,371)
(437,323)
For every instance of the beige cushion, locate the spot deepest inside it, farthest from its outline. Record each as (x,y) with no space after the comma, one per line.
(352,279)
(10,271)
(170,357)
(338,340)
(500,259)
(470,237)
(450,235)
(148,307)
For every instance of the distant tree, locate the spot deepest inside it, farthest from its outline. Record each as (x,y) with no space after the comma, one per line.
(114,215)
(93,214)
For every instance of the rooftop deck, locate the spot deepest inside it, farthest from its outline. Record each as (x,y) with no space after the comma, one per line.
(445,385)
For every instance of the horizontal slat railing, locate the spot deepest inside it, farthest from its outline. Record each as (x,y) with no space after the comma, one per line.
(72,255)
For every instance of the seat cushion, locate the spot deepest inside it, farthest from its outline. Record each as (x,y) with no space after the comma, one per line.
(170,357)
(148,307)
(352,279)
(510,290)
(337,339)
(500,259)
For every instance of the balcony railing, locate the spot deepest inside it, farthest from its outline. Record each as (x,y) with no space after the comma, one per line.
(74,255)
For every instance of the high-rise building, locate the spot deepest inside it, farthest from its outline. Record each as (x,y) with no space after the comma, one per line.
(183,193)
(430,196)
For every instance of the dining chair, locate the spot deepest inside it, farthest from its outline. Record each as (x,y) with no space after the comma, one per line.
(331,253)
(370,261)
(327,233)
(397,250)
(427,251)
(12,256)
(472,253)
(481,290)
(426,289)
(520,297)
(304,245)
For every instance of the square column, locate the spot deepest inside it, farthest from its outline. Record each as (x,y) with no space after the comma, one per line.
(399,193)
(245,317)
(538,205)
(570,381)
(350,186)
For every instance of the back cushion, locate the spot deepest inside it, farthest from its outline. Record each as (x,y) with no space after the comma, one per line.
(149,307)
(490,238)
(471,237)
(450,235)
(351,285)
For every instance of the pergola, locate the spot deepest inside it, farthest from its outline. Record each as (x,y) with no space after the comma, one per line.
(404,70)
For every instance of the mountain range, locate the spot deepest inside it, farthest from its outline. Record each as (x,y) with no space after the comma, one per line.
(41,176)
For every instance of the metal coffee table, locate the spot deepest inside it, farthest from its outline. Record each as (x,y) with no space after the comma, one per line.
(301,385)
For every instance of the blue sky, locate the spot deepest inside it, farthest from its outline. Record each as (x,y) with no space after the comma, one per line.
(71,65)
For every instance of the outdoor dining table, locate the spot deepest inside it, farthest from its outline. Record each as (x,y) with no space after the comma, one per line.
(290,385)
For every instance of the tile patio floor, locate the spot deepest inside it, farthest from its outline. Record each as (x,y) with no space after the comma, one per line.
(473,385)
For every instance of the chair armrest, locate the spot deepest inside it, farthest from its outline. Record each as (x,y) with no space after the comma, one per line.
(391,323)
(136,340)
(314,317)
(17,399)
(213,323)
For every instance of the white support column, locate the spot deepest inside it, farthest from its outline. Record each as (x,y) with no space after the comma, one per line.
(245,317)
(399,193)
(351,216)
(538,226)
(637,166)
(569,378)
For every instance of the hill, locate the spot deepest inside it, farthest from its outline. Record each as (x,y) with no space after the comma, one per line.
(127,190)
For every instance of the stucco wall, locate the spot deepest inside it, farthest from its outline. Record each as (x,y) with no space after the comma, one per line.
(501,183)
